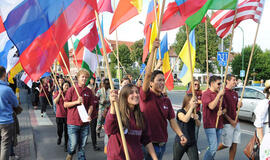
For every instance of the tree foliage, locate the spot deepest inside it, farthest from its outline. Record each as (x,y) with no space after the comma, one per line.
(260,63)
(137,51)
(213,44)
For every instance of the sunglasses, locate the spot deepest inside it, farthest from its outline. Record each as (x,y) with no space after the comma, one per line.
(196,84)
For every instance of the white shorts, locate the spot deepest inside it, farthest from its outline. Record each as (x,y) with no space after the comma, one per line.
(231,135)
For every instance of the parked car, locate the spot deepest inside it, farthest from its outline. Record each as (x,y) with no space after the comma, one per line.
(116,83)
(251,97)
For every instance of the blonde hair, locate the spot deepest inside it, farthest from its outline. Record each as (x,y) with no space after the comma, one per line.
(83,71)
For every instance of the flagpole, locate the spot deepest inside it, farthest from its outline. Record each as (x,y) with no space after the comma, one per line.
(190,65)
(112,87)
(172,69)
(46,95)
(159,25)
(206,52)
(54,77)
(249,64)
(227,66)
(119,61)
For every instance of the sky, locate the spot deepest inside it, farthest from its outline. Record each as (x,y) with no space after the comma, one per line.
(132,30)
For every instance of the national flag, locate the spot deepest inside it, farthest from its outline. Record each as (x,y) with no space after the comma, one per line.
(222,21)
(126,9)
(191,12)
(166,67)
(65,54)
(89,61)
(14,71)
(107,46)
(26,79)
(39,29)
(104,6)
(150,29)
(184,55)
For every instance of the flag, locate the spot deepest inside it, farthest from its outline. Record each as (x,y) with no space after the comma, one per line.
(104,5)
(65,54)
(191,12)
(166,67)
(89,36)
(107,46)
(184,55)
(26,79)
(14,71)
(222,21)
(89,61)
(126,9)
(39,29)
(150,29)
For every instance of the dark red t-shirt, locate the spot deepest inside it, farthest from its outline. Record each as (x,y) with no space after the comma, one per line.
(230,102)
(156,110)
(73,117)
(46,89)
(61,111)
(210,116)
(135,138)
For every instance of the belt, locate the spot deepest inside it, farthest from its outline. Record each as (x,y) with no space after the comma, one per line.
(160,144)
(265,123)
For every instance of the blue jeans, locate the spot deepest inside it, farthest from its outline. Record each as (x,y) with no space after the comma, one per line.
(213,137)
(77,135)
(159,152)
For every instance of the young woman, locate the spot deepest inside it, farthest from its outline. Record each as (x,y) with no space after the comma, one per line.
(187,121)
(44,90)
(133,123)
(61,113)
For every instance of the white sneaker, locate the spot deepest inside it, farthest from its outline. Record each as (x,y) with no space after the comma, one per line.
(42,115)
(14,157)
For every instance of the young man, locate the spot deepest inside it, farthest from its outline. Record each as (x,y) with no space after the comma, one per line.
(8,100)
(77,130)
(210,101)
(231,131)
(157,109)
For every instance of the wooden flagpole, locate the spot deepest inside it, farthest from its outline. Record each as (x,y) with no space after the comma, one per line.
(56,82)
(249,63)
(206,52)
(112,87)
(227,66)
(46,95)
(190,65)
(119,61)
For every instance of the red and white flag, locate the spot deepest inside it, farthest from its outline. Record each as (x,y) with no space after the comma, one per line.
(26,79)
(222,20)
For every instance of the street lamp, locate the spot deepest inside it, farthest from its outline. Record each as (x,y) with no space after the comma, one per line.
(242,48)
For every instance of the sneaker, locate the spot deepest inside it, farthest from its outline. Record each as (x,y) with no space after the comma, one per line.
(14,157)
(58,141)
(199,152)
(42,115)
(69,157)
(96,148)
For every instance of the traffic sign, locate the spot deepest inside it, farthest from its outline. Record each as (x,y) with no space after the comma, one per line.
(242,73)
(222,58)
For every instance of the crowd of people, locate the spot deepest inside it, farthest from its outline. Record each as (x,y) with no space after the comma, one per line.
(145,112)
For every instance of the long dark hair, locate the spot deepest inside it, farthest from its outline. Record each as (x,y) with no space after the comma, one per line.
(186,100)
(125,110)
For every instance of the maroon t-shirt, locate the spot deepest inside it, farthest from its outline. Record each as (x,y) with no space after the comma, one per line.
(46,89)
(135,138)
(95,108)
(156,110)
(210,116)
(61,111)
(230,102)
(73,117)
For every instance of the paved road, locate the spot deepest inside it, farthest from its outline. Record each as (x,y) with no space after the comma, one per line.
(45,137)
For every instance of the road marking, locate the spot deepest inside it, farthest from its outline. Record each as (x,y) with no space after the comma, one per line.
(37,120)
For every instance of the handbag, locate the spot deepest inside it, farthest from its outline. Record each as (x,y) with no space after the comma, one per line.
(252,149)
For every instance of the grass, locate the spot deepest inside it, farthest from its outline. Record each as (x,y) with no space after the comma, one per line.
(183,88)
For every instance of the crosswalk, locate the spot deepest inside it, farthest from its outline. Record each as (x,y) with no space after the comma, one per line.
(37,120)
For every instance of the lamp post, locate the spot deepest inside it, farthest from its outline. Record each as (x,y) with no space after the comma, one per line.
(242,48)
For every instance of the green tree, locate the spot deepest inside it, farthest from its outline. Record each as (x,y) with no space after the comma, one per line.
(137,51)
(124,57)
(262,69)
(213,44)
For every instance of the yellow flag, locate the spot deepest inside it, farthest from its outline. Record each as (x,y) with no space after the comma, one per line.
(137,4)
(14,71)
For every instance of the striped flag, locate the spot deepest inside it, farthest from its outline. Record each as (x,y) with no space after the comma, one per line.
(222,20)
(26,79)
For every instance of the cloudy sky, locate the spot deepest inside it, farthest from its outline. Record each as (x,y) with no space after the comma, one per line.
(133,30)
